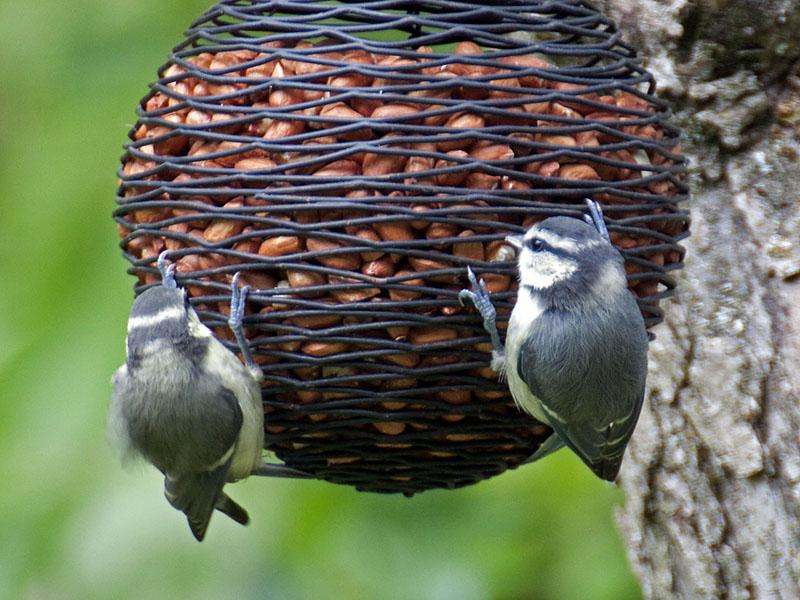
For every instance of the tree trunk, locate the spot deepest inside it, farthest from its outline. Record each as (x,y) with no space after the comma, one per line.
(712,476)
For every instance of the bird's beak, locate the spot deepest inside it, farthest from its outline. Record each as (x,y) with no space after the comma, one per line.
(515,240)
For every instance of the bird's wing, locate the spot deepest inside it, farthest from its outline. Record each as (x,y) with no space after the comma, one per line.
(201,427)
(603,447)
(200,470)
(117,426)
(573,372)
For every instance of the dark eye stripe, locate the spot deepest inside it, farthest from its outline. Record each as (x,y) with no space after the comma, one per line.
(539,245)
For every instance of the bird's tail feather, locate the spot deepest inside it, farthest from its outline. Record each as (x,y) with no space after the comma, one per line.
(550,445)
(226,505)
(197,494)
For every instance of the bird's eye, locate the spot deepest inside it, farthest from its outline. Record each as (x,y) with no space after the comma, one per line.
(536,244)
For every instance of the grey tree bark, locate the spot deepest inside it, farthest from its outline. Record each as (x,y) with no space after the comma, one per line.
(712,477)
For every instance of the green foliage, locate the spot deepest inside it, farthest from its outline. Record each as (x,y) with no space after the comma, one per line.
(73,524)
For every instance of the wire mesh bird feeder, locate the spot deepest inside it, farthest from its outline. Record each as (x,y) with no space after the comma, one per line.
(351,159)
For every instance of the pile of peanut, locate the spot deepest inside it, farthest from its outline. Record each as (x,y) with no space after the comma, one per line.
(214,150)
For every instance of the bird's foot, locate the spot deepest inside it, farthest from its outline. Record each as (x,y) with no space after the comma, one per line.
(167,271)
(479,296)
(238,300)
(595,218)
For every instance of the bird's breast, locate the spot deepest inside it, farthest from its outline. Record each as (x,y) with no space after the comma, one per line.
(527,310)
(235,376)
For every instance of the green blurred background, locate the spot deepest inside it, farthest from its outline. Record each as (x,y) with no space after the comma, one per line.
(73,523)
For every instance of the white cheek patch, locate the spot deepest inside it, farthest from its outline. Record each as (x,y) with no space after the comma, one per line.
(542,270)
(172,313)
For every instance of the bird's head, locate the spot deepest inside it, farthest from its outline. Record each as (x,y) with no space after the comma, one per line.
(161,316)
(567,259)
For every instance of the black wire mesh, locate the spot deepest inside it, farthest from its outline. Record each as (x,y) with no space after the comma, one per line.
(352,159)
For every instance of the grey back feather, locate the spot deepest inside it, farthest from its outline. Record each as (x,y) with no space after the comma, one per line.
(178,434)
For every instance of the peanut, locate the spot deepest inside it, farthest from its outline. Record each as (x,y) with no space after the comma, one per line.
(170,243)
(528,61)
(254,164)
(486,373)
(399,295)
(390,427)
(441,230)
(578,171)
(301,279)
(381,267)
(282,129)
(357,294)
(280,245)
(343,460)
(425,265)
(344,262)
(547,169)
(491,394)
(379,165)
(508,84)
(290,346)
(461,120)
(222,229)
(339,169)
(369,235)
(307,373)
(319,349)
(482,181)
(415,164)
(400,383)
(472,251)
(432,335)
(393,231)
(454,396)
(316,321)
(394,111)
(496,283)
(258,281)
(339,110)
(514,185)
(493,152)
(405,359)
(500,251)
(420,224)
(308,396)
(456,177)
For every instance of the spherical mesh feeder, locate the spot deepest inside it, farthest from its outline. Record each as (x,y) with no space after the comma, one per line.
(352,159)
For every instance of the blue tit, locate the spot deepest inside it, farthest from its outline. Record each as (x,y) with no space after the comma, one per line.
(187,404)
(575,354)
